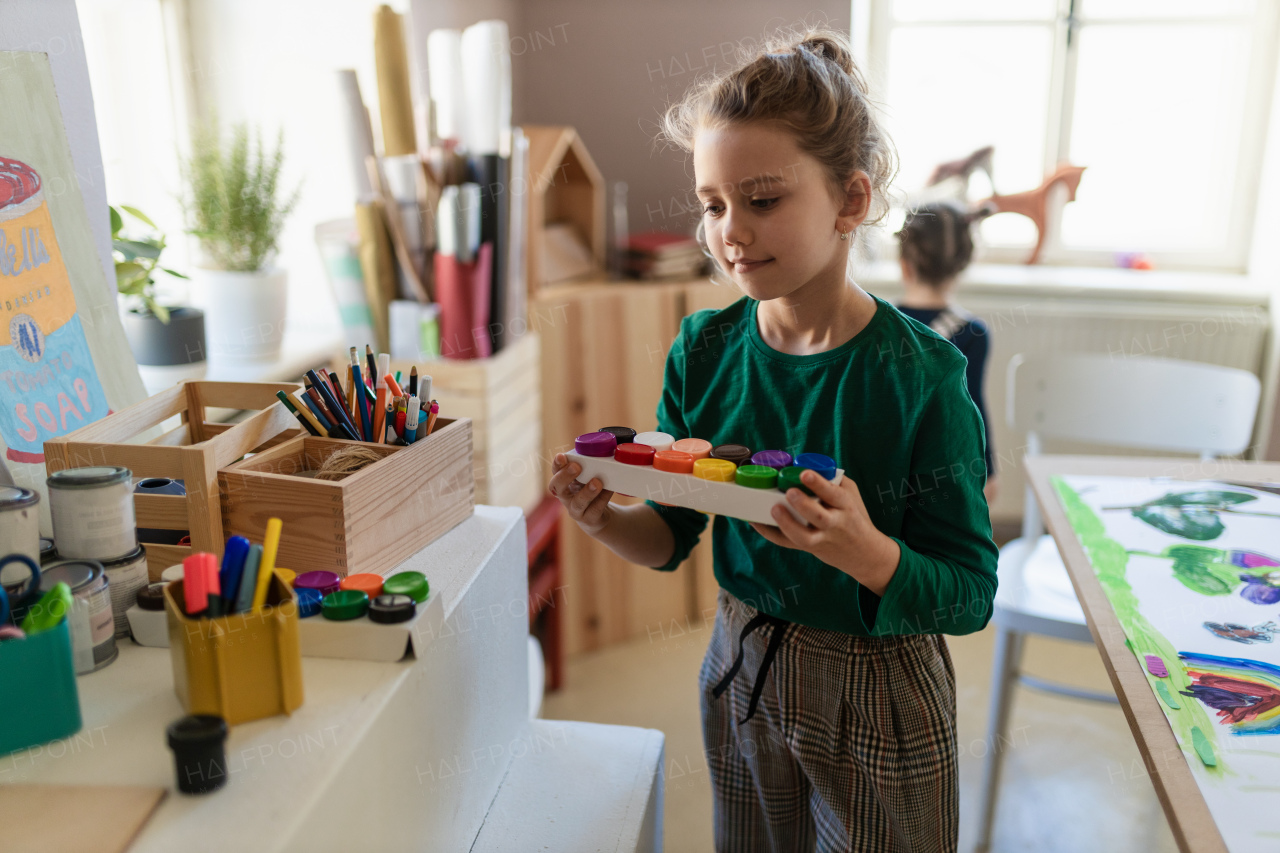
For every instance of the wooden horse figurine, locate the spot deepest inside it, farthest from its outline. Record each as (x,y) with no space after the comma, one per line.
(1033,203)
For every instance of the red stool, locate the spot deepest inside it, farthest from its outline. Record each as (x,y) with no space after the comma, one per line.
(542,530)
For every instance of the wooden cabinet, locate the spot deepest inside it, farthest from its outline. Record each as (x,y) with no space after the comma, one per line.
(604,350)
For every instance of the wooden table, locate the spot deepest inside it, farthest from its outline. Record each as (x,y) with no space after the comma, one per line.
(1188,814)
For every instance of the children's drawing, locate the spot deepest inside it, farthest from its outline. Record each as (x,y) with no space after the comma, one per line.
(1245,693)
(1194,607)
(1242,634)
(1218,571)
(1191,515)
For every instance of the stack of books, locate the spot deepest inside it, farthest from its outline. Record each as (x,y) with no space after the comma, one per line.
(661,255)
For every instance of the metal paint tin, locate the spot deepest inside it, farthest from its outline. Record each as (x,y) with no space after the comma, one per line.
(93,512)
(125,577)
(93,637)
(20,522)
(48,553)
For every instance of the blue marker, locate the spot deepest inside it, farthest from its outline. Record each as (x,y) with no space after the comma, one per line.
(365,420)
(232,568)
(248,580)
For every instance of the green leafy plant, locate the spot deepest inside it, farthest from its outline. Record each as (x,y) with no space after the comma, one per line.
(234,201)
(137,260)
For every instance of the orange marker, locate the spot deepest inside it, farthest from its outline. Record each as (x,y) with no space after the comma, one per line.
(393,385)
(380,408)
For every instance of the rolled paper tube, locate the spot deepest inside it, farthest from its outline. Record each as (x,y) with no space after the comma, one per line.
(595,444)
(695,447)
(738,454)
(634,454)
(673,461)
(771,458)
(756,476)
(789,478)
(624,435)
(824,465)
(720,470)
(656,440)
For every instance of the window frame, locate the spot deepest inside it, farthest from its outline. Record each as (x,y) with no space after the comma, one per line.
(872,24)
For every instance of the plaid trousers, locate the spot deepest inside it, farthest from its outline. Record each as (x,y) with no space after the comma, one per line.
(852,746)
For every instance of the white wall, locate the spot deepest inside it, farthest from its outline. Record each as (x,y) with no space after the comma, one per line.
(274,63)
(51,26)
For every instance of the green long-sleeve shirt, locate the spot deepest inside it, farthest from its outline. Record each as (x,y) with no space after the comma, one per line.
(891,407)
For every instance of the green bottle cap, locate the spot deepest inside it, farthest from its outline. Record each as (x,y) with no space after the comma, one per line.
(345,604)
(789,478)
(412,584)
(51,609)
(756,476)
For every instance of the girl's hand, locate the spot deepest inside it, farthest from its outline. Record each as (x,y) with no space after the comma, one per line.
(587,505)
(841,534)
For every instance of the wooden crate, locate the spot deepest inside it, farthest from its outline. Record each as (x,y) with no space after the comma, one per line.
(192,452)
(604,352)
(502,398)
(369,521)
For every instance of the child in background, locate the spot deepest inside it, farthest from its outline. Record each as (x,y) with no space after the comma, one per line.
(827,692)
(936,243)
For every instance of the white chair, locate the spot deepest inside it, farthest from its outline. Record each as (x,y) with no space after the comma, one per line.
(1148,403)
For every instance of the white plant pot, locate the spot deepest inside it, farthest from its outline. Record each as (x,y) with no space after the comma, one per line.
(244,312)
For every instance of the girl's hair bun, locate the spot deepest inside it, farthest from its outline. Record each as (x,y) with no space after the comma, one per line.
(807,83)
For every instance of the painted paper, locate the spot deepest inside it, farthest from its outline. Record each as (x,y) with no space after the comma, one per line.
(50,385)
(1192,570)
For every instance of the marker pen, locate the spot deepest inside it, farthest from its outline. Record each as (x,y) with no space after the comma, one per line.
(366,430)
(380,417)
(411,418)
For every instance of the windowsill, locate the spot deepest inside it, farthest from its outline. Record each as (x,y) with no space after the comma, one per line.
(1090,283)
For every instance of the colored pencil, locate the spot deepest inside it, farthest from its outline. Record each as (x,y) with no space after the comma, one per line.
(307,424)
(431,420)
(413,381)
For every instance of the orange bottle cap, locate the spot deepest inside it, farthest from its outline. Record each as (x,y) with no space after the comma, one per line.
(673,461)
(367,582)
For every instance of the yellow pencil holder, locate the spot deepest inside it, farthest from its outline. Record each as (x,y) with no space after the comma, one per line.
(241,667)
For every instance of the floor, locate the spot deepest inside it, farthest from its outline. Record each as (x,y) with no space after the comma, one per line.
(1073,777)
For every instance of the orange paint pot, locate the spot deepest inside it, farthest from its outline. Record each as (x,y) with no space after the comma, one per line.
(673,461)
(366,582)
(695,447)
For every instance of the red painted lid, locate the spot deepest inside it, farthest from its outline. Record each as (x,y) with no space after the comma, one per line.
(634,454)
(18,182)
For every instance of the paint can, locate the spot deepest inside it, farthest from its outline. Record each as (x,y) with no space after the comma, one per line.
(20,522)
(125,577)
(93,512)
(48,553)
(93,636)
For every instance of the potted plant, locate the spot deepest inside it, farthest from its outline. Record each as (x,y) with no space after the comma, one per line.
(159,335)
(236,208)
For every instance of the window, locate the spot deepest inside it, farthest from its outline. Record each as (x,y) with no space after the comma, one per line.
(1165,102)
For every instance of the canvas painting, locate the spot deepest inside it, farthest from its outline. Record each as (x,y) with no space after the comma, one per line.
(64,361)
(1192,570)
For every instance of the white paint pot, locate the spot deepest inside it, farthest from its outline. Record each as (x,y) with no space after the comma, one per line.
(243,312)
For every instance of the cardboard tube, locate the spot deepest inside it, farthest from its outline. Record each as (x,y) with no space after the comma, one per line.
(394,98)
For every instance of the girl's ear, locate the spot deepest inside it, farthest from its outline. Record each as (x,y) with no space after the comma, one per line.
(857,201)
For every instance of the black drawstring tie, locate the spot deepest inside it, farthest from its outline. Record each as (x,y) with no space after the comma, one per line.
(771,651)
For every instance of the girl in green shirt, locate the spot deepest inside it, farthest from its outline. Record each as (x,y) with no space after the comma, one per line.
(840,731)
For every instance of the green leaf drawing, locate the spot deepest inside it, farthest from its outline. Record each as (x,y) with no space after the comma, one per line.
(1192,515)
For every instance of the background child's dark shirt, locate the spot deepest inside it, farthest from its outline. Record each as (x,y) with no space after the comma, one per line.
(970,336)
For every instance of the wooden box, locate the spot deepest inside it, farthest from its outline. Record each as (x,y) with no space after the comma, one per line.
(502,398)
(192,452)
(369,521)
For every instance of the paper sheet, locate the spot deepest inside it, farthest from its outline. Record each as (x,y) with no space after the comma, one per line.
(1192,570)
